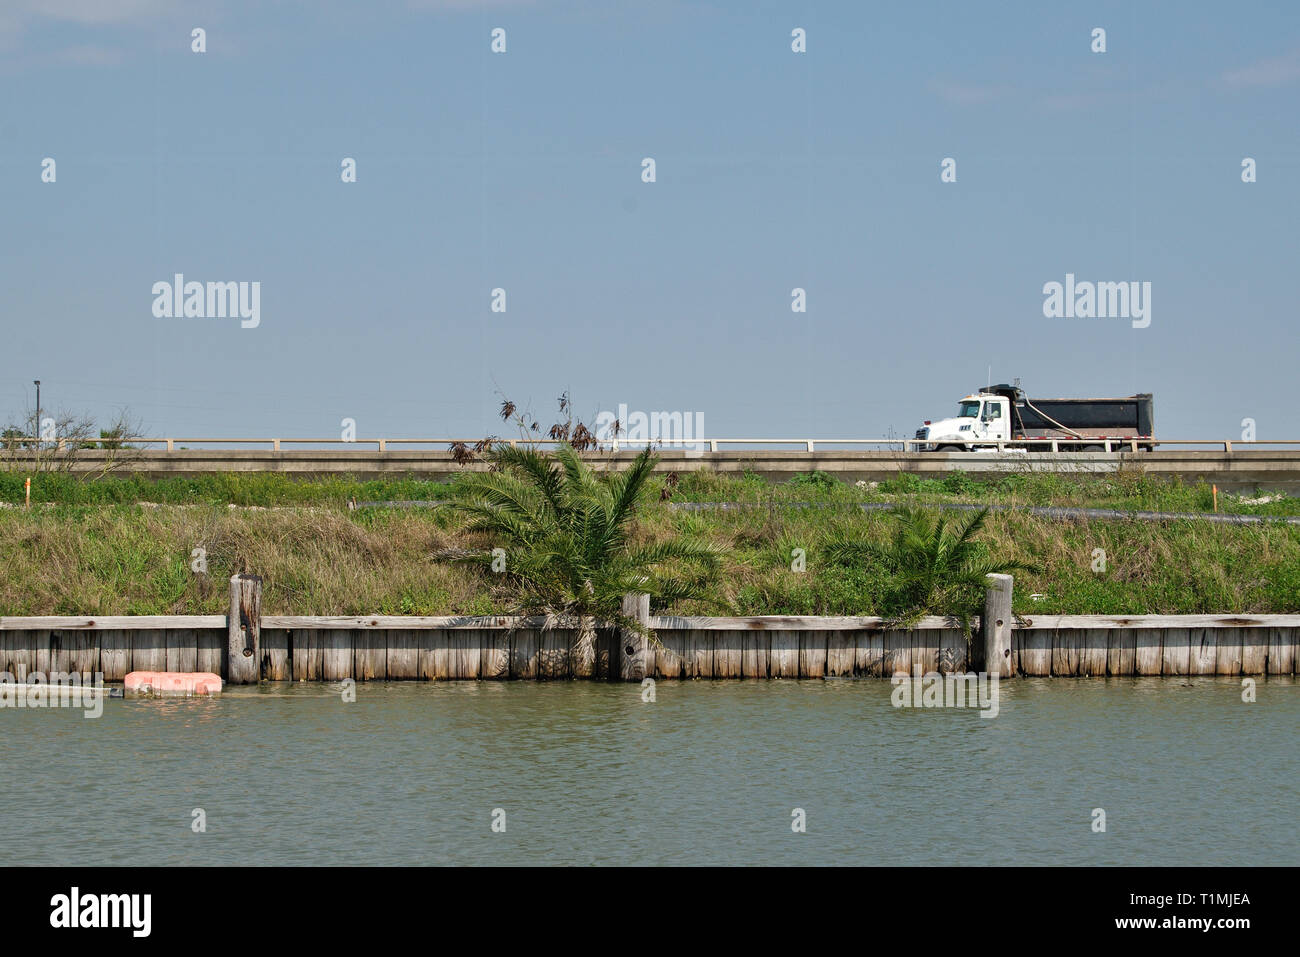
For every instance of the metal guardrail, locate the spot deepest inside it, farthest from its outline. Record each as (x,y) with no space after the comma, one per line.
(1133,444)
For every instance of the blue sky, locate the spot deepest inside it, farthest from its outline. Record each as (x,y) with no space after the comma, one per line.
(522,171)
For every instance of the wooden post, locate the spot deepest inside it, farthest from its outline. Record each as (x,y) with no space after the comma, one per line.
(996,626)
(635,655)
(243,630)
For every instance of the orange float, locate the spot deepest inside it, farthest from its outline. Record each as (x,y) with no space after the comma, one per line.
(173,683)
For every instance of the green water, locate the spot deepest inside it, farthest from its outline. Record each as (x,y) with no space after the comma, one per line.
(709,773)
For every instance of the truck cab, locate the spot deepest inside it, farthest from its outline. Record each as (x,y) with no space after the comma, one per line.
(981,417)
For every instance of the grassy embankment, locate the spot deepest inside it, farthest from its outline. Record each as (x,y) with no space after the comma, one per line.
(124,545)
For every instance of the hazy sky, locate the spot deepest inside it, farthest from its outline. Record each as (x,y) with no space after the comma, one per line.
(523,171)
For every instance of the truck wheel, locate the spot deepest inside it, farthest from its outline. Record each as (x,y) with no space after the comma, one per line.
(1092,448)
(948,448)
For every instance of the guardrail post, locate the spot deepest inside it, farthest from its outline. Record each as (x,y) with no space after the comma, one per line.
(383,445)
(713,445)
(1227,446)
(244,630)
(275,445)
(810,445)
(996,626)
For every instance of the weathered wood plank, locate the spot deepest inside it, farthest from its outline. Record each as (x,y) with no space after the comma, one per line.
(1067,652)
(411,622)
(1092,659)
(1161,621)
(110,622)
(1121,652)
(1175,653)
(897,653)
(812,654)
(83,651)
(697,654)
(1035,652)
(336,654)
(115,654)
(466,656)
(841,654)
(275,647)
(1148,651)
(755,654)
(495,664)
(404,654)
(607,653)
(668,653)
(1228,654)
(524,645)
(727,653)
(1282,651)
(553,653)
(20,652)
(39,639)
(783,659)
(435,655)
(786,623)
(869,661)
(953,652)
(307,657)
(149,650)
(1254,650)
(925,650)
(1202,651)
(59,660)
(182,650)
(369,654)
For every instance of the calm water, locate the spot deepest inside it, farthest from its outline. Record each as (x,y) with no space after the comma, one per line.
(709,773)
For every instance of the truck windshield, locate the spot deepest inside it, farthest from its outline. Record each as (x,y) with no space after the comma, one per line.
(968,409)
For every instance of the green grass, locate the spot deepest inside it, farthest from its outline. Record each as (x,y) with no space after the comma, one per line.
(89,547)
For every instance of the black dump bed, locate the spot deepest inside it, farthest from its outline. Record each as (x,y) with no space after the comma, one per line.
(1128,415)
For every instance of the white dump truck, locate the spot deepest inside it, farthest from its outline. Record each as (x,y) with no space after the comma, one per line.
(1004,414)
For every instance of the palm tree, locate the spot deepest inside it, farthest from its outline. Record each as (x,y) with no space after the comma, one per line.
(935,568)
(565,530)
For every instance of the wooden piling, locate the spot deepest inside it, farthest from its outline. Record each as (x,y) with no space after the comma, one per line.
(996,626)
(634,653)
(243,630)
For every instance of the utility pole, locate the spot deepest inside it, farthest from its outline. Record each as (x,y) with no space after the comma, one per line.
(38,407)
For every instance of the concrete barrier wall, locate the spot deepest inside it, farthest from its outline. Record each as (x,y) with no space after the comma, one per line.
(1233,471)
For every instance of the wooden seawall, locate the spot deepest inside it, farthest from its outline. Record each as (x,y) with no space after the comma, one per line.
(400,648)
